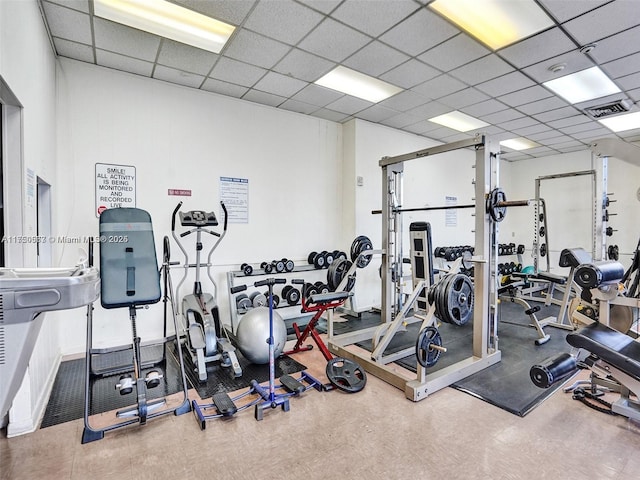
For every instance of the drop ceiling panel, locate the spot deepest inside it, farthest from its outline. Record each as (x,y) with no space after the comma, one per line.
(67,23)
(454,52)
(279,84)
(622,66)
(224,88)
(410,74)
(300,107)
(401,120)
(544,105)
(429,110)
(349,105)
(375,59)
(183,57)
(502,116)
(377,113)
(617,46)
(404,101)
(284,20)
(517,123)
(239,73)
(481,70)
(556,114)
(568,121)
(530,130)
(334,41)
(177,76)
(563,10)
(78,51)
(629,82)
(121,62)
(256,49)
(80,5)
(571,62)
(264,98)
(317,95)
(374,17)
(230,12)
(604,21)
(331,115)
(508,83)
(439,87)
(484,108)
(542,46)
(303,65)
(419,32)
(127,41)
(526,95)
(464,98)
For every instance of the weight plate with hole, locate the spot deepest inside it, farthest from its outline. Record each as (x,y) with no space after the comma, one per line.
(336,273)
(311,257)
(459,299)
(496,197)
(346,375)
(360,245)
(426,355)
(289,265)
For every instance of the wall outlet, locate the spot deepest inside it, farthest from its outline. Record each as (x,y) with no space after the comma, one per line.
(360,181)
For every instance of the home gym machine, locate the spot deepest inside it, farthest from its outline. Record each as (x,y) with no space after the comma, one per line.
(490,208)
(222,405)
(129,278)
(206,337)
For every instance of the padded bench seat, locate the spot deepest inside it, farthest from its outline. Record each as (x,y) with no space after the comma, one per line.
(546,276)
(611,346)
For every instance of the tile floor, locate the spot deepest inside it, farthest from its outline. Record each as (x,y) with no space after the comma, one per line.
(374,434)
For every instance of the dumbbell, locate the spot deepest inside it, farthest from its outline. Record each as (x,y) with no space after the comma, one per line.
(609,231)
(320,260)
(267,267)
(322,287)
(243,303)
(246,269)
(278,265)
(309,289)
(288,265)
(258,299)
(338,254)
(291,295)
(520,249)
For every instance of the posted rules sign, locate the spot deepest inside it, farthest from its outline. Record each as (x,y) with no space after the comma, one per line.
(115,186)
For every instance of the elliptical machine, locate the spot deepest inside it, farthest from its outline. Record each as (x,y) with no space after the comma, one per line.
(207,338)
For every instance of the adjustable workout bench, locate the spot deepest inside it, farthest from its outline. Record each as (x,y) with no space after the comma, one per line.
(130,279)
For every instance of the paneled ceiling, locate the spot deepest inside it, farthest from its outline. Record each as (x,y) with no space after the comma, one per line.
(280,47)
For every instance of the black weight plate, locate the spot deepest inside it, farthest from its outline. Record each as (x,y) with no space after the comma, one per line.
(426,356)
(285,290)
(311,257)
(318,283)
(459,298)
(294,296)
(346,375)
(289,265)
(336,273)
(319,260)
(497,213)
(279,264)
(440,297)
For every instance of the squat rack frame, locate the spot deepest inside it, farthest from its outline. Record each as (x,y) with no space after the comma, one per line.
(485,337)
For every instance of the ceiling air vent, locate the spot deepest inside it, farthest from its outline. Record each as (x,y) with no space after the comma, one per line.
(600,111)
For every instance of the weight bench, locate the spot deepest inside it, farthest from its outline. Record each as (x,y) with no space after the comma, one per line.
(610,355)
(129,278)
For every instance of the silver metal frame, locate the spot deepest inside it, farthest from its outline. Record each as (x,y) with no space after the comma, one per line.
(485,338)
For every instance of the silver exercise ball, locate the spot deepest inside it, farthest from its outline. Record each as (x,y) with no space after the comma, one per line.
(253,335)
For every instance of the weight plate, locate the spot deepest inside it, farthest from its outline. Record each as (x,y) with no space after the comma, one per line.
(459,299)
(426,355)
(621,318)
(285,290)
(496,212)
(319,260)
(293,297)
(311,257)
(289,265)
(279,264)
(346,375)
(359,245)
(336,273)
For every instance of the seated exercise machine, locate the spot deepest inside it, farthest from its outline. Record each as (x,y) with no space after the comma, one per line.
(25,295)
(612,356)
(207,339)
(129,278)
(343,374)
(266,397)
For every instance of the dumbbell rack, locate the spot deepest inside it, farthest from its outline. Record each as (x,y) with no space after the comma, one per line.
(286,312)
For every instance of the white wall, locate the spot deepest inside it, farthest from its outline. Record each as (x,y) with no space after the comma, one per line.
(27,66)
(183,138)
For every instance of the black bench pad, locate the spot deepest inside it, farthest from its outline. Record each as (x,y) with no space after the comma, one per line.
(613,347)
(329,297)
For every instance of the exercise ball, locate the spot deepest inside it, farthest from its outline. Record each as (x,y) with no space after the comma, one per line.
(253,335)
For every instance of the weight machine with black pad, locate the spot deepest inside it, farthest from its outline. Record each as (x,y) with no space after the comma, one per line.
(490,208)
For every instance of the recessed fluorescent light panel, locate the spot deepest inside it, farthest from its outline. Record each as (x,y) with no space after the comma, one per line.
(620,123)
(582,86)
(459,121)
(167,20)
(357,84)
(496,23)
(518,143)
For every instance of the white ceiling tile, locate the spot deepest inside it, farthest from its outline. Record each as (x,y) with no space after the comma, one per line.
(279,84)
(463,98)
(410,74)
(421,127)
(376,113)
(563,10)
(591,134)
(256,49)
(515,156)
(80,5)
(127,41)
(582,127)
(617,46)
(481,70)
(223,88)
(283,20)
(508,83)
(334,41)
(68,24)
(604,21)
(575,146)
(232,71)
(317,95)
(404,101)
(331,115)
(518,123)
(440,133)
(324,6)
(635,94)
(542,46)
(526,95)
(540,151)
(375,59)
(454,52)
(544,105)
(303,65)
(502,116)
(559,140)
(536,137)
(374,17)
(530,130)
(429,110)
(78,51)
(401,120)
(419,32)
(233,12)
(349,105)
(568,121)
(484,108)
(184,57)
(300,107)
(556,114)
(574,62)
(126,64)
(457,137)
(622,66)
(263,98)
(177,76)
(629,82)
(439,87)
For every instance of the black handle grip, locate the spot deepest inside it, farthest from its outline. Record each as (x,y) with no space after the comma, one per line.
(280,280)
(269,281)
(173,217)
(298,281)
(90,254)
(224,209)
(238,288)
